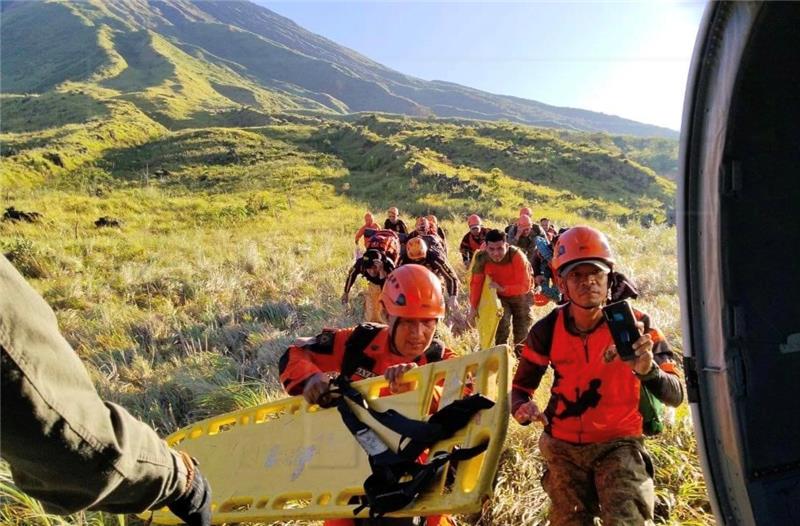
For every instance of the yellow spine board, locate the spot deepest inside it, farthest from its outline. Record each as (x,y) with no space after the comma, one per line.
(291,460)
(490,311)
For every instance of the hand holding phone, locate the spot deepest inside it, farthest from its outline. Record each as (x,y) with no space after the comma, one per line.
(622,324)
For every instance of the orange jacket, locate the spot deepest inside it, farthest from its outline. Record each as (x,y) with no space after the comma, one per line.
(513,273)
(326,353)
(360,233)
(592,399)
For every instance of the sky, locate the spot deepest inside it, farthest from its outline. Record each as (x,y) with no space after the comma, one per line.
(622,58)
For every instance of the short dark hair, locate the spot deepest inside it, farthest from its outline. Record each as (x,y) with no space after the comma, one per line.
(495,235)
(543,219)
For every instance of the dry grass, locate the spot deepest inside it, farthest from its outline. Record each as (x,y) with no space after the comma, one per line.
(183,312)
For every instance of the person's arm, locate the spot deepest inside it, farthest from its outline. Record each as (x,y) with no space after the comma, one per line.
(351,278)
(401,227)
(360,233)
(66,446)
(663,379)
(476,288)
(444,269)
(534,358)
(465,249)
(307,357)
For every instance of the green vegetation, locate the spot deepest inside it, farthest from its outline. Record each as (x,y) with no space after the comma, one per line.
(196,64)
(236,241)
(239,193)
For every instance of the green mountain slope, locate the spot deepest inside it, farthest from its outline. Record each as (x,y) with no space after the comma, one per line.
(227,54)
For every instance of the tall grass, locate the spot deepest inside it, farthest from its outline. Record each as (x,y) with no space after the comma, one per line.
(241,243)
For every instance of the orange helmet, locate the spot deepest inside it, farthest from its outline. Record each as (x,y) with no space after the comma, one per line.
(524,221)
(581,244)
(413,291)
(474,220)
(416,248)
(368,219)
(524,211)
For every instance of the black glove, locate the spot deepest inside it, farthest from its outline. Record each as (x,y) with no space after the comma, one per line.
(194,506)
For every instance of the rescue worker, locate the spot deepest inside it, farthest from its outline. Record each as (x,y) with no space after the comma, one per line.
(413,301)
(393,221)
(548,228)
(67,447)
(524,234)
(524,211)
(472,240)
(374,266)
(369,224)
(511,277)
(422,229)
(592,443)
(435,229)
(418,252)
(542,271)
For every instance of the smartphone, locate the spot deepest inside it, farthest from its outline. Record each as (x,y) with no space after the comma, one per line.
(622,324)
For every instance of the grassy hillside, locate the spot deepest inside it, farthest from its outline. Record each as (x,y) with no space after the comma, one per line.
(239,193)
(184,62)
(236,241)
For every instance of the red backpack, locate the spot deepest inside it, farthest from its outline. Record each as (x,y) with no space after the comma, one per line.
(387,242)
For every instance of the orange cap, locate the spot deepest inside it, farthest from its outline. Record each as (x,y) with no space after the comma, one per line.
(416,248)
(581,243)
(413,291)
(474,220)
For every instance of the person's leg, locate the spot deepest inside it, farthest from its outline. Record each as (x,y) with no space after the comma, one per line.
(504,328)
(522,316)
(624,481)
(372,306)
(549,287)
(573,501)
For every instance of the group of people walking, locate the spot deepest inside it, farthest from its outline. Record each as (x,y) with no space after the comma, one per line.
(517,259)
(74,451)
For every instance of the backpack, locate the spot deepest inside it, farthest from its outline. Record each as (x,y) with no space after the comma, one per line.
(652,409)
(385,241)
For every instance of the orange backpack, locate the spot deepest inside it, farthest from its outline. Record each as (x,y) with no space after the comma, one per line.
(385,241)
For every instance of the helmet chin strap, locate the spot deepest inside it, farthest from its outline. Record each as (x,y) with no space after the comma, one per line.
(392,347)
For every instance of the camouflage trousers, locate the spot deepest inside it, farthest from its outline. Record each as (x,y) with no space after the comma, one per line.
(611,480)
(516,310)
(372,304)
